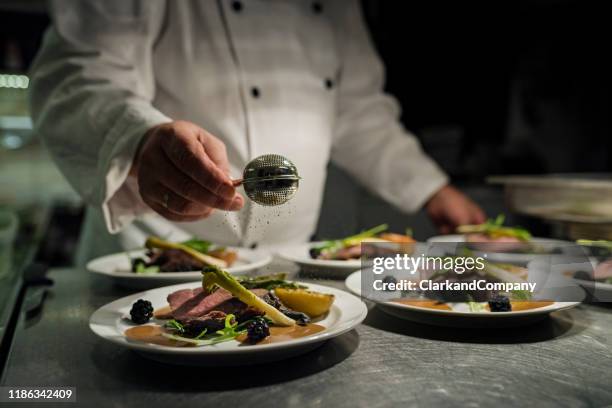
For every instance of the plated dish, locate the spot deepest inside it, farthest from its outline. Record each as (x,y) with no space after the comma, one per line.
(593,273)
(503,243)
(337,258)
(480,309)
(164,256)
(171,264)
(228,320)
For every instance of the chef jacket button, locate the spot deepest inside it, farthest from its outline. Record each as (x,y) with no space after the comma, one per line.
(237,6)
(253,245)
(255,92)
(317,7)
(329,84)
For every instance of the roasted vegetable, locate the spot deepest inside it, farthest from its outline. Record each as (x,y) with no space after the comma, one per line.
(198,244)
(154,242)
(305,301)
(213,277)
(268,282)
(494,229)
(139,266)
(334,245)
(598,248)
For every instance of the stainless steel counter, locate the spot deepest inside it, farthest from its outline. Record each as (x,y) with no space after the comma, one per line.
(563,361)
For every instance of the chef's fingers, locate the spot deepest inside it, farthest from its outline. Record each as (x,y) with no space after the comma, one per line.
(216,150)
(478,215)
(174,203)
(158,208)
(156,167)
(187,152)
(186,187)
(445,229)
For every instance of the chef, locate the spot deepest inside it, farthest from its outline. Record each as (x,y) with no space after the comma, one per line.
(151,107)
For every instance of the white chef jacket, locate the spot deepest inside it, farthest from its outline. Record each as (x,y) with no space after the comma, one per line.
(297,78)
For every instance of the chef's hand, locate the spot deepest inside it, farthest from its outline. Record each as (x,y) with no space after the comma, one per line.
(449,208)
(183,172)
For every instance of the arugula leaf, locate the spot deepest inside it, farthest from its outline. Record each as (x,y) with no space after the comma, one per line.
(141,268)
(336,244)
(494,228)
(268,282)
(521,295)
(476,307)
(229,332)
(199,336)
(198,244)
(174,326)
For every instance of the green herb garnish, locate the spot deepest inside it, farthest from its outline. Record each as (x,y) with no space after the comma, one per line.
(141,268)
(198,244)
(174,326)
(476,307)
(269,282)
(494,228)
(229,332)
(521,295)
(336,244)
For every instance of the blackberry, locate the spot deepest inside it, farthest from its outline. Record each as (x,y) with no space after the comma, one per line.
(142,311)
(500,303)
(257,330)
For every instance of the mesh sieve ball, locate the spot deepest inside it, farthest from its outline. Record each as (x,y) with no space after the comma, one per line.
(270,179)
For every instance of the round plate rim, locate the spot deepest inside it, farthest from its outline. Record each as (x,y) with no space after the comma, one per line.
(266,258)
(359,308)
(556,306)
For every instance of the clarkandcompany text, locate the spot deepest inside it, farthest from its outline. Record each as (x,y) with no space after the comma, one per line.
(429,285)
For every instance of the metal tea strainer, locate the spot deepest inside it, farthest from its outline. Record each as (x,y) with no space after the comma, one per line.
(270,180)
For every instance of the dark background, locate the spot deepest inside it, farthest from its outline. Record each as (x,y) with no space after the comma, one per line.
(489,87)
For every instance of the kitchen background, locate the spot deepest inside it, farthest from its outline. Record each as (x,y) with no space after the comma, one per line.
(506,87)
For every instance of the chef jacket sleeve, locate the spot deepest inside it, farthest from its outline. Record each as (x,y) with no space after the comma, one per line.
(91,97)
(369,140)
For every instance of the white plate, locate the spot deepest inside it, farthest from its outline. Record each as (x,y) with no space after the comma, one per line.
(319,267)
(513,258)
(597,291)
(109,322)
(118,266)
(460,316)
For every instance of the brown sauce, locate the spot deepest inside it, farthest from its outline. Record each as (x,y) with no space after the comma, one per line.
(433,304)
(280,334)
(527,305)
(152,333)
(427,304)
(163,312)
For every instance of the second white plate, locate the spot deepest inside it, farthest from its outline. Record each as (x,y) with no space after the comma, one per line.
(300,254)
(118,266)
(502,257)
(459,316)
